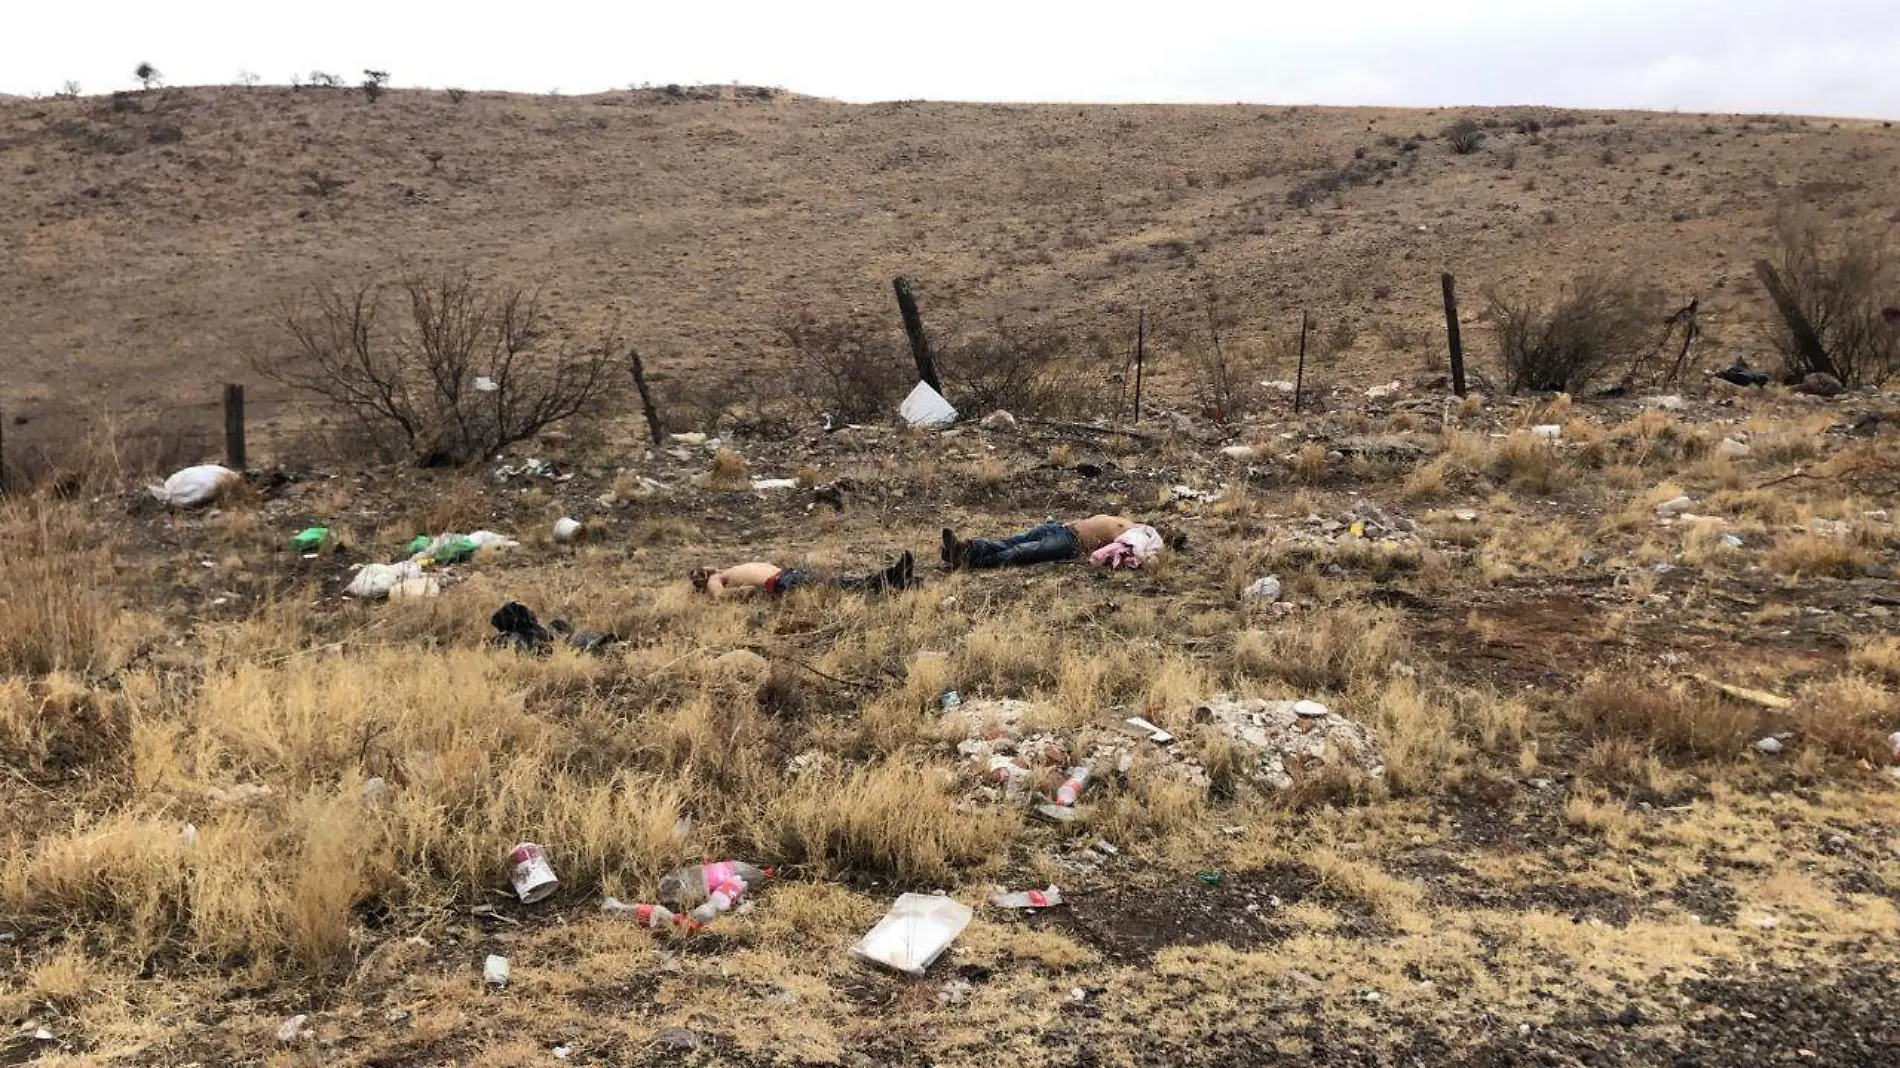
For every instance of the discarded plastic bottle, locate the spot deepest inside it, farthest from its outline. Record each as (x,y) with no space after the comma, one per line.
(652,917)
(719,901)
(689,886)
(1071,788)
(1028,899)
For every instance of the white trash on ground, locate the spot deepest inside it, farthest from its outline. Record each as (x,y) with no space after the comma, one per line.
(999,420)
(1028,899)
(914,933)
(1265,589)
(926,408)
(375,581)
(1288,742)
(495,971)
(566,529)
(531,873)
(760,485)
(1240,452)
(1547,431)
(488,539)
(195,487)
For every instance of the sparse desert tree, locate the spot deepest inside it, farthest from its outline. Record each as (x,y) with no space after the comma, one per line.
(147,75)
(1594,324)
(1842,288)
(70,90)
(456,96)
(1464,136)
(247,79)
(373,83)
(436,369)
(325,80)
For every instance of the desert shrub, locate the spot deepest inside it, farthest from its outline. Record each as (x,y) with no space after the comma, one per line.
(1594,325)
(373,84)
(1669,718)
(457,373)
(1022,371)
(1464,136)
(147,75)
(1360,171)
(456,96)
(1844,285)
(846,366)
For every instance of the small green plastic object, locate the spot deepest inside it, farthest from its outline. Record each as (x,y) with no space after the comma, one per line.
(310,539)
(420,543)
(1209,878)
(456,551)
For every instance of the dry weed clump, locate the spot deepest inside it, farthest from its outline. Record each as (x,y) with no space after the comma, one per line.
(53,593)
(894,818)
(1332,651)
(1677,721)
(1819,555)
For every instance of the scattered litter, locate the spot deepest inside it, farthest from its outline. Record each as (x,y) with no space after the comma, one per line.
(1731,541)
(1209,878)
(761,485)
(1288,743)
(955,992)
(1189,493)
(41,1034)
(1278,385)
(531,468)
(562,1051)
(566,529)
(292,1029)
(1384,392)
(1547,431)
(1240,452)
(485,384)
(689,437)
(488,539)
(374,581)
(195,487)
(516,626)
(949,700)
(689,886)
(1770,745)
(1668,402)
(532,875)
(310,539)
(187,837)
(1058,813)
(1071,788)
(490,912)
(1265,589)
(1154,733)
(916,931)
(1731,448)
(1743,693)
(413,588)
(653,917)
(719,900)
(495,971)
(999,420)
(1234,829)
(1103,845)
(926,408)
(1893,743)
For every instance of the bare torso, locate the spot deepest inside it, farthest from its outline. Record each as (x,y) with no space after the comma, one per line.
(1098,530)
(741,578)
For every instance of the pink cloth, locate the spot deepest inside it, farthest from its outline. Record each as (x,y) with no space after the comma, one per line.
(1128,551)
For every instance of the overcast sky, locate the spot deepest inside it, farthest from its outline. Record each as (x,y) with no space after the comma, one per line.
(1832,57)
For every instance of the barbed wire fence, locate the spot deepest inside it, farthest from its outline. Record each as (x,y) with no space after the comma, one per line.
(42,439)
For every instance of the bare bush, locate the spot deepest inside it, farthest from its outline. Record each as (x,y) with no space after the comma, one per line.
(1464,136)
(374,81)
(1594,324)
(1022,371)
(1842,285)
(147,75)
(456,374)
(846,366)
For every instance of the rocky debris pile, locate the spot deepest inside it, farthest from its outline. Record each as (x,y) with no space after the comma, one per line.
(1290,742)
(1363,521)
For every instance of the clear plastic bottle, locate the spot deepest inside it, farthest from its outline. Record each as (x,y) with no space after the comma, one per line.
(653,917)
(689,886)
(1071,788)
(719,901)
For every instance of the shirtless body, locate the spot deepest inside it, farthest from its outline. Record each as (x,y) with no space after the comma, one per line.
(743,579)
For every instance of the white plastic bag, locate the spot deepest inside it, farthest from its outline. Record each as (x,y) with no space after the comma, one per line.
(195,487)
(925,407)
(488,539)
(375,581)
(914,933)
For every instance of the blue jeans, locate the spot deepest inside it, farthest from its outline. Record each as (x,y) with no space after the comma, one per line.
(1047,543)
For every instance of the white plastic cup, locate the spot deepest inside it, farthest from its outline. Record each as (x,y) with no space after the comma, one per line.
(534,878)
(566,529)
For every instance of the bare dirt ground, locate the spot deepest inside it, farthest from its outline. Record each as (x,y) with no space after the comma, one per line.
(1576,851)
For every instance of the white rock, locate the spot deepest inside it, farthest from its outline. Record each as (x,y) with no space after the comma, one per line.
(691,437)
(1770,745)
(763,484)
(1731,448)
(1265,589)
(1383,392)
(1310,709)
(1548,431)
(1240,452)
(1674,505)
(495,971)
(999,420)
(1668,402)
(292,1029)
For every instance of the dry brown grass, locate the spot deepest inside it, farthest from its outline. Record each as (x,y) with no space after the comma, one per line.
(1678,721)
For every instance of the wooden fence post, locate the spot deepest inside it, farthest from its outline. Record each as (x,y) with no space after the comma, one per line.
(1807,341)
(234,426)
(1451,334)
(914,329)
(646,397)
(1299,375)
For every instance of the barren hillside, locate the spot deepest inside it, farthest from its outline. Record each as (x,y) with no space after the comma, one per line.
(146,241)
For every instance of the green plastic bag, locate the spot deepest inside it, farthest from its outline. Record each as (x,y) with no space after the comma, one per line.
(422,542)
(456,551)
(310,539)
